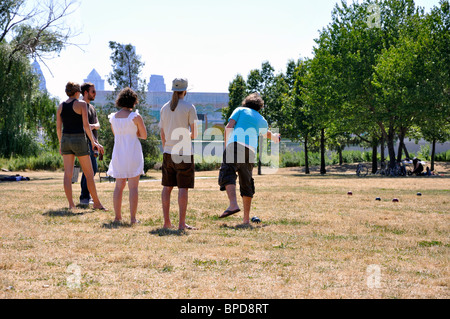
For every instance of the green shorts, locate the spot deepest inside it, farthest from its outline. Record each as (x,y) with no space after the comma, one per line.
(74,144)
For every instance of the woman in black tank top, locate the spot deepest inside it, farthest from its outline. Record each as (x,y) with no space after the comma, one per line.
(72,127)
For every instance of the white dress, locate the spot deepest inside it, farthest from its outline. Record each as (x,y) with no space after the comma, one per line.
(127,159)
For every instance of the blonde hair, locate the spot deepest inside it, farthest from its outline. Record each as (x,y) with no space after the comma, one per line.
(175,98)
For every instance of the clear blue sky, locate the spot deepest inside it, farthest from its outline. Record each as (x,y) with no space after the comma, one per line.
(206,41)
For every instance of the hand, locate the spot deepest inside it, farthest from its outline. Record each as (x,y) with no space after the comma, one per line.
(100,148)
(277,137)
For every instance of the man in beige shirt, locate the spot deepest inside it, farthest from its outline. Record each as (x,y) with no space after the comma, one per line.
(178,128)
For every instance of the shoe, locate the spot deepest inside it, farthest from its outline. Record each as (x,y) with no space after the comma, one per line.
(229,213)
(84,201)
(91,201)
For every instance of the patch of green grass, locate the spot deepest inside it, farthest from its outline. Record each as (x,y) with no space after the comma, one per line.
(425,243)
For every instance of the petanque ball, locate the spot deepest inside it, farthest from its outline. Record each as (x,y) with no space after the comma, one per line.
(395,200)
(419,194)
(256,219)
(349,193)
(378,198)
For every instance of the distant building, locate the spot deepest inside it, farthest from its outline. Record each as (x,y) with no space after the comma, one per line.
(37,69)
(96,79)
(209,105)
(156,83)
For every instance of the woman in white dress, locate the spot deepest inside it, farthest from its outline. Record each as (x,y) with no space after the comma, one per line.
(127,161)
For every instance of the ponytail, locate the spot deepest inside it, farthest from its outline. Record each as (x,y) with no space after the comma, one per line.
(175,98)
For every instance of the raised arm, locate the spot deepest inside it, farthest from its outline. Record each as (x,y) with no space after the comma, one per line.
(275,137)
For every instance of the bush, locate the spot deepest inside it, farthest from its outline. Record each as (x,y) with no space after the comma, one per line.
(50,161)
(443,157)
(207,163)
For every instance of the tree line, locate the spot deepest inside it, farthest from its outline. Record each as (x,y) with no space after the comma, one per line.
(379,74)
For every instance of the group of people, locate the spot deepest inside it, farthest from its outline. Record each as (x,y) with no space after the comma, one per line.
(77,128)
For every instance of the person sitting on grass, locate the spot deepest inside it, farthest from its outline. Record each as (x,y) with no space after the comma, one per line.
(417,167)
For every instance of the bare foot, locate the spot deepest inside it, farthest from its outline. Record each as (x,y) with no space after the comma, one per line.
(100,207)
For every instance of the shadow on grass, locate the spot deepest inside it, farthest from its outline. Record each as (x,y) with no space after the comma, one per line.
(168,232)
(243,226)
(116,225)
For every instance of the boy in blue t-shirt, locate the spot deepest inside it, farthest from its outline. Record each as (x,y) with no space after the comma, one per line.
(241,140)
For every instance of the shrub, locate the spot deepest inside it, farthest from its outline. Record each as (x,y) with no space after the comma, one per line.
(443,157)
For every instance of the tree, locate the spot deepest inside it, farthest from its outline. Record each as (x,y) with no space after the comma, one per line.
(237,91)
(38,32)
(127,67)
(298,123)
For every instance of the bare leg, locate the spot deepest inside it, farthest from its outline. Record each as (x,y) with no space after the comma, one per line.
(165,199)
(231,193)
(117,197)
(247,205)
(182,204)
(133,184)
(86,166)
(69,161)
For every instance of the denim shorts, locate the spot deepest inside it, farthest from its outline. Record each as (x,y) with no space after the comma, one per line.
(74,144)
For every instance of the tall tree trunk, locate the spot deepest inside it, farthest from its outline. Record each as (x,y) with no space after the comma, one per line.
(322,152)
(391,147)
(382,149)
(306,156)
(341,160)
(374,156)
(433,153)
(406,151)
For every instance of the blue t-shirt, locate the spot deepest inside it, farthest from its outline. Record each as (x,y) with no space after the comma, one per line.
(249,124)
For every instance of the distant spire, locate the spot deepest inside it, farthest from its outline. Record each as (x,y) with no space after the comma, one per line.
(96,79)
(37,70)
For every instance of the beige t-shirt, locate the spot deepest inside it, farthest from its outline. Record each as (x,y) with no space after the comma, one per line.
(176,127)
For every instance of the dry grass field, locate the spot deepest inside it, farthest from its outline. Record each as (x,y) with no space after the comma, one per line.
(315,240)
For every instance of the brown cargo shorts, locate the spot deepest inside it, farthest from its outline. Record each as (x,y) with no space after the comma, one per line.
(178,171)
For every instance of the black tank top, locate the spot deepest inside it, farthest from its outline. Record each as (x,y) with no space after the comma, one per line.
(72,121)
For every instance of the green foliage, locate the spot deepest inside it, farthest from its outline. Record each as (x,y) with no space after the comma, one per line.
(443,157)
(28,31)
(127,66)
(47,161)
(237,93)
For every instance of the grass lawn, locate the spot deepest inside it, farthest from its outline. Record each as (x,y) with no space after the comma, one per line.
(315,240)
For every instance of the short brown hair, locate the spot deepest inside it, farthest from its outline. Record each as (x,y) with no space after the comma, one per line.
(127,98)
(72,88)
(85,87)
(253,101)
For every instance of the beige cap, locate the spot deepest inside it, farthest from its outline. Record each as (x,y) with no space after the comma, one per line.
(179,84)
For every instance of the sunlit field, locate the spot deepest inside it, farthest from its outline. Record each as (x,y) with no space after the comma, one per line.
(315,240)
